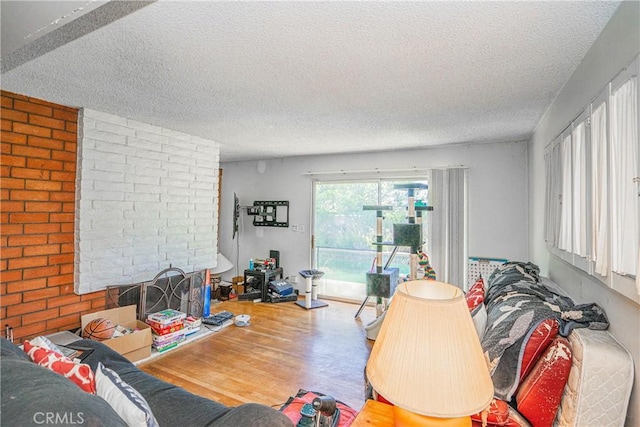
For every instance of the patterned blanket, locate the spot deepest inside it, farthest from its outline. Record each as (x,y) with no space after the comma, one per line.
(516,304)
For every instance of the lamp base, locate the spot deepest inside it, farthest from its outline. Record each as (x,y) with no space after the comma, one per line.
(404,418)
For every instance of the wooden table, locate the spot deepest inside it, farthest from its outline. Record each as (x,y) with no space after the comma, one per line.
(374,413)
(378,414)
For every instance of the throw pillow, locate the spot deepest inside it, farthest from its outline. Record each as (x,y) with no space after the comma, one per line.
(79,373)
(123,398)
(539,395)
(475,302)
(537,343)
(497,414)
(475,295)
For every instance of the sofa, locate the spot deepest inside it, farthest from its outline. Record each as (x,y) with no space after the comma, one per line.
(552,361)
(36,395)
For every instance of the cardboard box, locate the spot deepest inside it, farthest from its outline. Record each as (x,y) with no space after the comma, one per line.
(135,346)
(238,284)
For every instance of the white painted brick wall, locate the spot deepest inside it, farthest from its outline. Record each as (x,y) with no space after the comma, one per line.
(146,199)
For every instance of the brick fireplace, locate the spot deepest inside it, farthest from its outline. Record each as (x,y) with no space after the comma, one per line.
(39,146)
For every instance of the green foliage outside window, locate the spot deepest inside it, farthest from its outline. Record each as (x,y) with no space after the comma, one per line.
(345,233)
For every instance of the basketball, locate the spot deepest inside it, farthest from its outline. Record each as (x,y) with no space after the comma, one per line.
(99,329)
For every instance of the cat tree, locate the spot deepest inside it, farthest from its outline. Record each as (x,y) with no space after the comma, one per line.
(382,282)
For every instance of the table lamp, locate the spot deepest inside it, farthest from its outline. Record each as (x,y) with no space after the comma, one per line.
(222,265)
(427,359)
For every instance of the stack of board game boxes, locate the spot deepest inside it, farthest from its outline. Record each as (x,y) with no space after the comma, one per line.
(167,329)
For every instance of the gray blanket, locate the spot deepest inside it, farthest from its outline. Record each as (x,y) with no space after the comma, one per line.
(516,304)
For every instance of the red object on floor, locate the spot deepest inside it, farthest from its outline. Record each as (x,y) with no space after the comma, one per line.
(292,408)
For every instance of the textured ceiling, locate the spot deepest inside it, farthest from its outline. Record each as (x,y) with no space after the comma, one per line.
(276,79)
(23,22)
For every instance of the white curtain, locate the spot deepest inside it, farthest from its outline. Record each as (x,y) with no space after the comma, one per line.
(624,168)
(579,192)
(447,192)
(565,241)
(548,203)
(599,190)
(557,192)
(553,188)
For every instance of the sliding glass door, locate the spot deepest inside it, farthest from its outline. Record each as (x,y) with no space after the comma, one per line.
(344,233)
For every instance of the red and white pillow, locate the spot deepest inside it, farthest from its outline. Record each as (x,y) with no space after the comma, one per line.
(475,302)
(497,414)
(475,295)
(539,395)
(79,373)
(537,343)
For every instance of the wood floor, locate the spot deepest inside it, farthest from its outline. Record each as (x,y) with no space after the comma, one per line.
(285,348)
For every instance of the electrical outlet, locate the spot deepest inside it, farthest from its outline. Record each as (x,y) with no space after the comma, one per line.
(294,227)
(301,228)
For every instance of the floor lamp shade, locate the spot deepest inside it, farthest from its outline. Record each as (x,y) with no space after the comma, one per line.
(427,358)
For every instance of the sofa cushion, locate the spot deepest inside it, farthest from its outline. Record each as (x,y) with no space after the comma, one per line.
(123,398)
(79,373)
(32,394)
(539,395)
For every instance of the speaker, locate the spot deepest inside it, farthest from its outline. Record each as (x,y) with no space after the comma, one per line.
(275,255)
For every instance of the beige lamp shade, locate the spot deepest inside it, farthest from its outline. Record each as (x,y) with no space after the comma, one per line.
(427,358)
(223,265)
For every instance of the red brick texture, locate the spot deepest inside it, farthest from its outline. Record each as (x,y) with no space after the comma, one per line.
(38,173)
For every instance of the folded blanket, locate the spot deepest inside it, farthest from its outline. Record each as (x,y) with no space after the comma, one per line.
(516,304)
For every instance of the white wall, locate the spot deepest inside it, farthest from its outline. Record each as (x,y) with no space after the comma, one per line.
(146,200)
(616,46)
(497,198)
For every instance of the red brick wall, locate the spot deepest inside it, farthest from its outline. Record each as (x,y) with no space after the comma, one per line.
(38,172)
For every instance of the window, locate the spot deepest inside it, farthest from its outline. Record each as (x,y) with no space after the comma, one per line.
(344,233)
(592,214)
